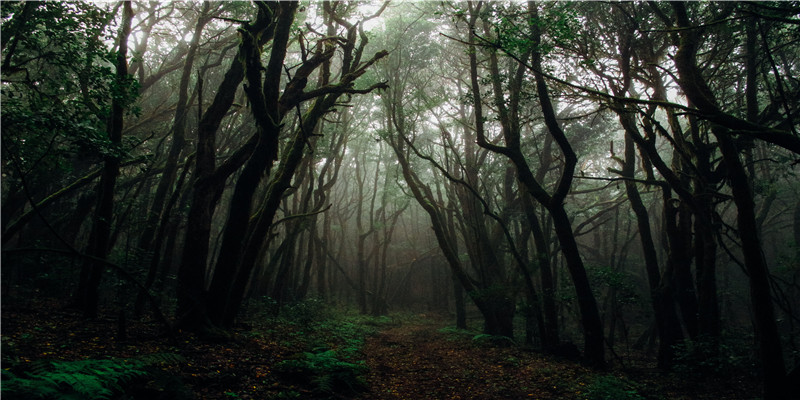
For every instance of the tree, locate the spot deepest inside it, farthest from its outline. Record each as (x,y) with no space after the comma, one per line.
(99,239)
(152,236)
(554,203)
(698,91)
(45,89)
(236,261)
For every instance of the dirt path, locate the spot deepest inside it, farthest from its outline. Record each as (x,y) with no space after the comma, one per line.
(419,361)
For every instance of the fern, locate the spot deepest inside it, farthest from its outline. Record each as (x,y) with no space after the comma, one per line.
(325,372)
(82,379)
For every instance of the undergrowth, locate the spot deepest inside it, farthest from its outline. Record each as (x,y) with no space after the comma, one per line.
(486,340)
(325,372)
(329,343)
(730,356)
(455,334)
(81,379)
(609,387)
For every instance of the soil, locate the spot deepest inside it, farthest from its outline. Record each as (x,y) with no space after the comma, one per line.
(424,361)
(418,358)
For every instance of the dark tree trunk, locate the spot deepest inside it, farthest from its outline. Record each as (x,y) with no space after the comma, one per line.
(99,238)
(461,309)
(280,289)
(206,192)
(208,186)
(590,317)
(667,323)
(264,104)
(775,381)
(310,260)
(694,86)
(594,348)
(681,259)
(361,261)
(158,243)
(550,337)
(269,108)
(322,260)
(498,315)
(165,185)
(155,227)
(708,317)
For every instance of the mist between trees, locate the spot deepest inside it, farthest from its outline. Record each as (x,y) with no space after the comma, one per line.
(611,172)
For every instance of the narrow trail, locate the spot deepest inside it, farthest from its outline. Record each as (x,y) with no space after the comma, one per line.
(421,361)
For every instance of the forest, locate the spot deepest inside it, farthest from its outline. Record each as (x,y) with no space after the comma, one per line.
(400,200)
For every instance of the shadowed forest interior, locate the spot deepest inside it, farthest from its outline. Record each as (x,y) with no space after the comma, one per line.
(386,200)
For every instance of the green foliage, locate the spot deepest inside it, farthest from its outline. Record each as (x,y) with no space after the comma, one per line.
(325,372)
(306,312)
(319,326)
(81,379)
(728,357)
(58,84)
(484,339)
(622,282)
(455,334)
(288,394)
(330,341)
(609,387)
(495,293)
(346,334)
(558,23)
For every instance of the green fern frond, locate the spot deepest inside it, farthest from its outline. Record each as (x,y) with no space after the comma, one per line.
(82,379)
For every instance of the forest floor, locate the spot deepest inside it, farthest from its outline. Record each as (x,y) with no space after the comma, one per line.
(48,349)
(425,361)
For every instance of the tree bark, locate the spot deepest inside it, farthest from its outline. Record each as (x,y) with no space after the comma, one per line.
(208,186)
(178,136)
(594,347)
(263,101)
(667,323)
(696,89)
(99,238)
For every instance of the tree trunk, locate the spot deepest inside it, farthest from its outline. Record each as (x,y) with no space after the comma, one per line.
(461,309)
(208,186)
(696,89)
(99,238)
(775,382)
(667,323)
(268,123)
(550,338)
(594,348)
(268,109)
(590,317)
(165,185)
